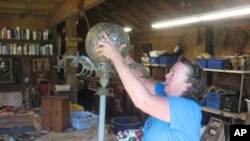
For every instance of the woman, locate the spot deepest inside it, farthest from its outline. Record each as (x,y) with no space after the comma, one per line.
(174,112)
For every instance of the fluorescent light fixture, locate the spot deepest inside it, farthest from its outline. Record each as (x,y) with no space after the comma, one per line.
(127,29)
(237,11)
(174,22)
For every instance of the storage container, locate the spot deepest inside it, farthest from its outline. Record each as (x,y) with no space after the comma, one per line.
(124,123)
(202,102)
(83,120)
(202,62)
(230,103)
(154,60)
(168,60)
(216,63)
(213,100)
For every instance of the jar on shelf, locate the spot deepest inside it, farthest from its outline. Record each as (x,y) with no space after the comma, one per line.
(235,63)
(4,32)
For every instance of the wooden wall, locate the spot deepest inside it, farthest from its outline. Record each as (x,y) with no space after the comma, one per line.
(193,39)
(31,22)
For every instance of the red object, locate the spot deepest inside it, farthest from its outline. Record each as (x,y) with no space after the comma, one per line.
(4,32)
(139,133)
(44,89)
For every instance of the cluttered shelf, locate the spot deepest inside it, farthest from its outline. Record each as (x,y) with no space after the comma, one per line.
(216,104)
(243,74)
(241,116)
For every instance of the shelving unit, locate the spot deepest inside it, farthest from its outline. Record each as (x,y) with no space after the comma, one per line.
(233,116)
(33,55)
(243,76)
(26,47)
(224,113)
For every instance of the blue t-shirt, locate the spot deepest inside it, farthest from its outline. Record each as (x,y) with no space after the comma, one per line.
(185,121)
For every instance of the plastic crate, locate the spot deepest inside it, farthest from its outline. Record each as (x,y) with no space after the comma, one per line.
(83,120)
(202,102)
(216,63)
(202,62)
(213,100)
(168,60)
(154,60)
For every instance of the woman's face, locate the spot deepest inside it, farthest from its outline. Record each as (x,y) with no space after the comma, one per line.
(176,80)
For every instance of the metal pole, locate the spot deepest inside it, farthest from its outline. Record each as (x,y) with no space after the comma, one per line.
(103,92)
(102,108)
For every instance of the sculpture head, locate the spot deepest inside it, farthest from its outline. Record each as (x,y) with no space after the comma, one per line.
(115,33)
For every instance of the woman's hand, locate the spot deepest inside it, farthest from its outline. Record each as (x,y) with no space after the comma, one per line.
(108,49)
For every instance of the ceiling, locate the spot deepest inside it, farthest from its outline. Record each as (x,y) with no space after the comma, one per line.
(137,14)
(29,7)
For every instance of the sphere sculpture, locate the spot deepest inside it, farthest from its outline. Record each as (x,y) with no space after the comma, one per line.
(115,33)
(118,36)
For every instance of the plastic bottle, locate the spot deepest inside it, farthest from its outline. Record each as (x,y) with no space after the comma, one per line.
(4,32)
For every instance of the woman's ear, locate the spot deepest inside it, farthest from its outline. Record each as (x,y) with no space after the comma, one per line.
(187,86)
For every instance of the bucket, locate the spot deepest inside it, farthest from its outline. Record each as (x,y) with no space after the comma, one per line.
(124,123)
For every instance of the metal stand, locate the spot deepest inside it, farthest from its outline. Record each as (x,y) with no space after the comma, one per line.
(89,66)
(103,92)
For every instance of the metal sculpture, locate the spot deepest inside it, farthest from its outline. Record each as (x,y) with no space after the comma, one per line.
(94,62)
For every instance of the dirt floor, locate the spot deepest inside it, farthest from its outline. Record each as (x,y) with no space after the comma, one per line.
(36,133)
(85,135)
(27,127)
(69,135)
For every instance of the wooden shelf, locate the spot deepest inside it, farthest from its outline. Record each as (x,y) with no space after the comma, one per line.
(241,116)
(22,55)
(228,71)
(156,65)
(26,47)
(25,41)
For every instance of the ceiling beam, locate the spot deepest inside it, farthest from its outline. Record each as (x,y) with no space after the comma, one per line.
(69,8)
(31,6)
(21,12)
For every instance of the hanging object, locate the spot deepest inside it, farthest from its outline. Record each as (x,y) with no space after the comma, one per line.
(177,50)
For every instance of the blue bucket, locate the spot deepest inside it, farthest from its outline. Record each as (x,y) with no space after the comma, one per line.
(124,123)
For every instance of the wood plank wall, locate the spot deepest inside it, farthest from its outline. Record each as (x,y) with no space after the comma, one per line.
(193,40)
(31,22)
